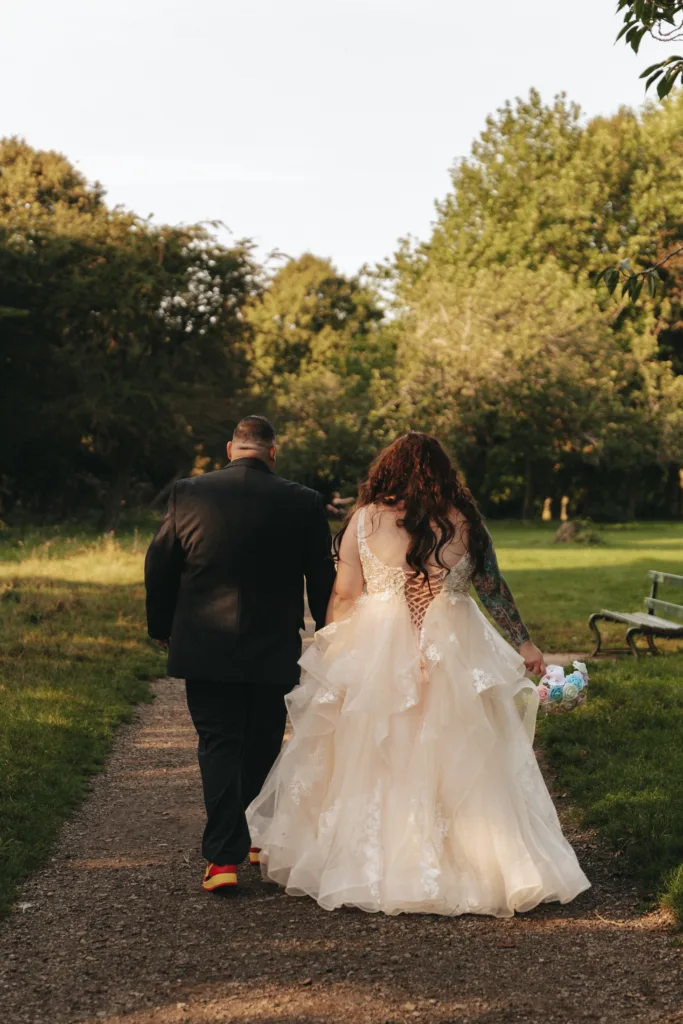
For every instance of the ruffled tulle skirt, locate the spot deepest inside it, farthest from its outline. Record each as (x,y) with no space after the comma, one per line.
(410,782)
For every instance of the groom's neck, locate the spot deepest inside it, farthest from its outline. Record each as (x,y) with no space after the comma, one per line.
(252,453)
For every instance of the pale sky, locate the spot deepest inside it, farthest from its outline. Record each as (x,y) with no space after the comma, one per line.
(321,125)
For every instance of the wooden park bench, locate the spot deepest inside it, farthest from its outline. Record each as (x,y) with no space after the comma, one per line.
(647,624)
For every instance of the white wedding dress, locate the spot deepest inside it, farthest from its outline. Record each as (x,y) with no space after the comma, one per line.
(410,782)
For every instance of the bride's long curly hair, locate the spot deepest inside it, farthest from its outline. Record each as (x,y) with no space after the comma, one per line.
(415,474)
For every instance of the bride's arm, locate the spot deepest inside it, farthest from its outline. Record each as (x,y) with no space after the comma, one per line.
(348,585)
(497,598)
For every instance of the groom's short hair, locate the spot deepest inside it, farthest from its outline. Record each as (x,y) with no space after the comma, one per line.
(254,432)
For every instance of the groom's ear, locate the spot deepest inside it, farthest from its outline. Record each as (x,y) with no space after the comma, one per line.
(272,453)
(230,451)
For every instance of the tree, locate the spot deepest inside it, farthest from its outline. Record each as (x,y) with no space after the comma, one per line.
(318,362)
(158,347)
(131,337)
(663,21)
(544,191)
(540,184)
(521,373)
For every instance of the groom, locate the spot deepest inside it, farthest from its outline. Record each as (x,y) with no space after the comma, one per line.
(225,579)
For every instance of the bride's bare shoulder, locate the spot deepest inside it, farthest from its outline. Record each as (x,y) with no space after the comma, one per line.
(376,516)
(361,522)
(460,541)
(459,520)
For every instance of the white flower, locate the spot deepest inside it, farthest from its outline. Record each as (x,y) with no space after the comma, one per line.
(554,674)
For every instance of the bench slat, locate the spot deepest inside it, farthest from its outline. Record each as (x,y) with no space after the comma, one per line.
(664,577)
(641,619)
(647,624)
(665,607)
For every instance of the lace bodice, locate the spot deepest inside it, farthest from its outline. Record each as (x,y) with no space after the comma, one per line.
(386,581)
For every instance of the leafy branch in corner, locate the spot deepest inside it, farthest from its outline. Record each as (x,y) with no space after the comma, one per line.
(662,20)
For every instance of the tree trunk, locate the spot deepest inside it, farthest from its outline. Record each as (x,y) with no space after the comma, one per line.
(111,512)
(674,491)
(528,508)
(631,507)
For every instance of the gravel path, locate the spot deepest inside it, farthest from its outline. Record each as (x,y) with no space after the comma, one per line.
(117,929)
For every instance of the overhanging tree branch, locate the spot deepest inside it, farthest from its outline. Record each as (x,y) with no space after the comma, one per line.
(661,20)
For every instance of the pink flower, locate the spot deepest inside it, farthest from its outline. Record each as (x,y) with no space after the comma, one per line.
(542,692)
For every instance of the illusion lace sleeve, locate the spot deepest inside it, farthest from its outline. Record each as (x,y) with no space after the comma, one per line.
(497,598)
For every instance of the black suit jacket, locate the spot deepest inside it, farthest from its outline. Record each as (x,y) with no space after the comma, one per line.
(225,575)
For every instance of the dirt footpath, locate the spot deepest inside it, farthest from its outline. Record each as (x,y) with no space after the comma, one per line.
(117,929)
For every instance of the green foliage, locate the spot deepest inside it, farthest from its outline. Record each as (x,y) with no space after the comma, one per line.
(130,336)
(540,183)
(672,892)
(317,363)
(130,349)
(621,760)
(662,20)
(522,374)
(542,385)
(632,281)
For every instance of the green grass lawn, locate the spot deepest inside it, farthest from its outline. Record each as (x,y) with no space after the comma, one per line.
(558,586)
(74,658)
(621,759)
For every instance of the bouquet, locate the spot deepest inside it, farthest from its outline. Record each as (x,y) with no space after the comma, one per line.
(558,693)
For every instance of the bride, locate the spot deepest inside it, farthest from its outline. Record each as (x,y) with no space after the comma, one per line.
(410,783)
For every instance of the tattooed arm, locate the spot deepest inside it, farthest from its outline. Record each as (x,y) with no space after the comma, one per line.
(497,598)
(500,604)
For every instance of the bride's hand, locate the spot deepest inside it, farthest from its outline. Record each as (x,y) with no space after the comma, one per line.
(533,658)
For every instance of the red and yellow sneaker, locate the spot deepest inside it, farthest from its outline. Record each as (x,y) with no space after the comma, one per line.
(220,876)
(255,855)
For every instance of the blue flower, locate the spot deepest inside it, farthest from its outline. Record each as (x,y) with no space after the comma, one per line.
(556,692)
(576,679)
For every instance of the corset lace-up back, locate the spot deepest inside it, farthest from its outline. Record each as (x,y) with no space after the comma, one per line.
(419,594)
(387,581)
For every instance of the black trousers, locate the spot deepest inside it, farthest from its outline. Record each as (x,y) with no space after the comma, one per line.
(240,729)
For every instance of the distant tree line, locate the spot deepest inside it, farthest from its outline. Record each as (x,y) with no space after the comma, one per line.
(128,349)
